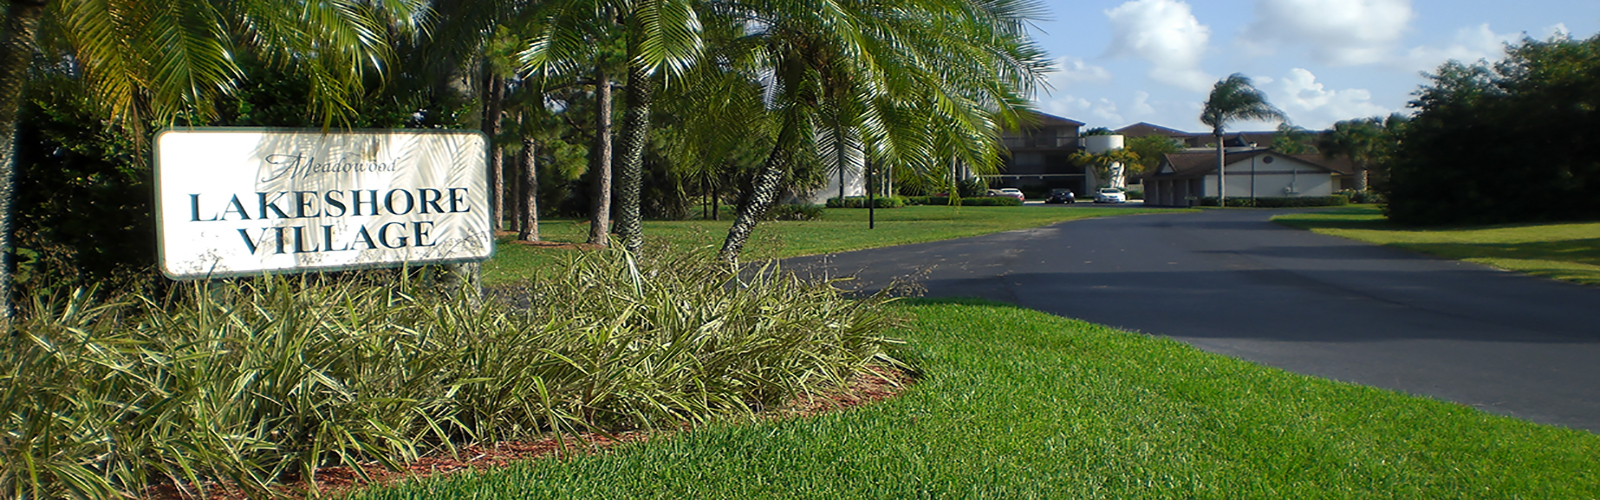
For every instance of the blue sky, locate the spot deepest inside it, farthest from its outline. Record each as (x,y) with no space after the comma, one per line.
(1125,61)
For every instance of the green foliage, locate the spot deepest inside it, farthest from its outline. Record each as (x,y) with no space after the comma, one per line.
(979,201)
(1504,143)
(795,212)
(83,196)
(1294,140)
(246,381)
(1281,201)
(1235,98)
(1368,196)
(1150,149)
(972,187)
(1134,195)
(1102,162)
(861,202)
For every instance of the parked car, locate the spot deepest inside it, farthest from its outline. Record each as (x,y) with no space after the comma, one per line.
(1110,195)
(1014,193)
(1059,195)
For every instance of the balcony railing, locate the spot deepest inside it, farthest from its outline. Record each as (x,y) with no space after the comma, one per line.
(1042,142)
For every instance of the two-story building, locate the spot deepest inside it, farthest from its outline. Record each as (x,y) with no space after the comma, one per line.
(1040,154)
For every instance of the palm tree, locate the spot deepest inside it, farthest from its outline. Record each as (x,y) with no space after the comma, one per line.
(662,34)
(1102,162)
(1361,140)
(933,80)
(1294,140)
(656,35)
(1234,98)
(151,61)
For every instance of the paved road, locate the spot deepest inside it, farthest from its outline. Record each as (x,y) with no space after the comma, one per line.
(1231,282)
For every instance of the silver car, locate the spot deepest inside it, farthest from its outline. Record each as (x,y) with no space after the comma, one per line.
(1110,195)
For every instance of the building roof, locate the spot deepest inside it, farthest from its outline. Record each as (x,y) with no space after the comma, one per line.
(1142,129)
(1037,119)
(1198,164)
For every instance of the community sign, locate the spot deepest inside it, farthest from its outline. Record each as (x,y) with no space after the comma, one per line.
(233,201)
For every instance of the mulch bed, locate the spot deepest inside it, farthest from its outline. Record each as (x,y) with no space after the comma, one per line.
(876,384)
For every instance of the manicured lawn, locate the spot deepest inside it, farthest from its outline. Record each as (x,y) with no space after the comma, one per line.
(1569,251)
(839,230)
(1020,404)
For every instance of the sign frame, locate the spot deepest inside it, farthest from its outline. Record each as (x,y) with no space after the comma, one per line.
(165,254)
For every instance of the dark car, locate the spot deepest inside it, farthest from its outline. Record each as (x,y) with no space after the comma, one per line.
(1061,196)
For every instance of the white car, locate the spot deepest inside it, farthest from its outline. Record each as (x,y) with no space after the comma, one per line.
(1014,193)
(1110,195)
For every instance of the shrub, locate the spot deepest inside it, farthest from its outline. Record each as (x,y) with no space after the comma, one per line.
(1362,196)
(1281,201)
(972,187)
(1135,195)
(982,201)
(243,382)
(861,202)
(1036,191)
(795,212)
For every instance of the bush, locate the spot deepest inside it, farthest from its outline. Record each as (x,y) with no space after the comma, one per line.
(861,202)
(981,201)
(972,187)
(1281,201)
(1362,196)
(1134,195)
(244,382)
(795,212)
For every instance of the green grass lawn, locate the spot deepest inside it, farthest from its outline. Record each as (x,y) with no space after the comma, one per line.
(1021,404)
(839,230)
(1569,251)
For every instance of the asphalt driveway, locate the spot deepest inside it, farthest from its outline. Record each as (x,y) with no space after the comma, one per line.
(1230,282)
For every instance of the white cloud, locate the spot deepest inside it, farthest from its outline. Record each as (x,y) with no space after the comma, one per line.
(1141,104)
(1470,45)
(1078,108)
(1339,32)
(1072,70)
(1166,33)
(1314,107)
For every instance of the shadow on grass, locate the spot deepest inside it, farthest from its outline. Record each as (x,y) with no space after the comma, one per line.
(1583,251)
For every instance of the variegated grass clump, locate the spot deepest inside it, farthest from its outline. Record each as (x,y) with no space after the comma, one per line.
(249,382)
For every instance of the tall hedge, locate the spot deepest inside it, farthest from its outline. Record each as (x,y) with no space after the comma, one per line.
(1515,141)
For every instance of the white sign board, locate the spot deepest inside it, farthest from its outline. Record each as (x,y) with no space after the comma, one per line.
(235,202)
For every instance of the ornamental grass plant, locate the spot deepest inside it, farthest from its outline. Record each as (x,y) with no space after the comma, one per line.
(247,383)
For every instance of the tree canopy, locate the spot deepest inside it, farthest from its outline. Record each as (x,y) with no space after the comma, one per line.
(1511,141)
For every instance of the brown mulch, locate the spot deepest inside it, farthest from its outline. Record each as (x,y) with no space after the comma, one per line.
(876,384)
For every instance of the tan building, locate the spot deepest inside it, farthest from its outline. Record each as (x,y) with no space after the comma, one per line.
(1183,178)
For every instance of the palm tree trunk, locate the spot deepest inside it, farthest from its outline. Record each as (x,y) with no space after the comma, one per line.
(514,195)
(600,161)
(763,191)
(1361,177)
(635,133)
(16,54)
(492,116)
(529,209)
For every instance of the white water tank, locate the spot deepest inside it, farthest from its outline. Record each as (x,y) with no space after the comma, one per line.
(1097,144)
